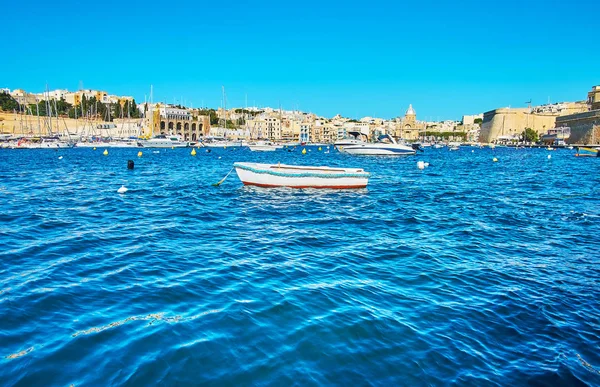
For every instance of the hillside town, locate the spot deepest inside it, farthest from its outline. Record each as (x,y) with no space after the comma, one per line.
(95,112)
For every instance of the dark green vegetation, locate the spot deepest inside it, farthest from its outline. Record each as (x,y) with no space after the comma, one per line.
(88,107)
(529,135)
(8,103)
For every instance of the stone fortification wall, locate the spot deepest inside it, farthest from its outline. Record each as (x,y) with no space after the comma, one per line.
(585,127)
(512,122)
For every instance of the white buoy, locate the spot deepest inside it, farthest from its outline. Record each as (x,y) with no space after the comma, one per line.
(420,165)
(472,151)
(122,190)
(549,157)
(219,156)
(426,164)
(60,157)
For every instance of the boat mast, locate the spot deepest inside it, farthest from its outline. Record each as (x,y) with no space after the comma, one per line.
(20,116)
(151,110)
(48,111)
(37,109)
(57,120)
(224,111)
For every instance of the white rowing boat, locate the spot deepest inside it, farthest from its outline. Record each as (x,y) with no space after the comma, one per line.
(297,176)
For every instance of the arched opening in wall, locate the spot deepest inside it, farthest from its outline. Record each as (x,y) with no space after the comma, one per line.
(200,127)
(407,127)
(186,126)
(178,127)
(194,138)
(170,126)
(186,137)
(162,125)
(193,127)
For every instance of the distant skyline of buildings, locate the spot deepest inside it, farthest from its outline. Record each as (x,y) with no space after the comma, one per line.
(105,97)
(277,124)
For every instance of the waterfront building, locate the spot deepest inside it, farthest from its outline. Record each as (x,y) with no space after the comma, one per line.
(287,129)
(180,121)
(75,98)
(594,98)
(585,126)
(228,133)
(330,132)
(57,95)
(408,127)
(23,97)
(266,126)
(305,132)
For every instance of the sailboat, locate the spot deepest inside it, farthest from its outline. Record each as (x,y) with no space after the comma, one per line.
(50,140)
(123,141)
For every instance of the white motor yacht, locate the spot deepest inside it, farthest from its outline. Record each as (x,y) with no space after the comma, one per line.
(355,139)
(163,141)
(385,146)
(42,143)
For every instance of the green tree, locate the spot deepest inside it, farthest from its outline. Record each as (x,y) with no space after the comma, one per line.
(63,106)
(478,121)
(8,103)
(529,135)
(134,112)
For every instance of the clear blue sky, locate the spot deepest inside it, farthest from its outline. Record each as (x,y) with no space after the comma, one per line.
(447,58)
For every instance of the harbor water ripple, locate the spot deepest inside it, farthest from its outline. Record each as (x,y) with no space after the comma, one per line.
(469,272)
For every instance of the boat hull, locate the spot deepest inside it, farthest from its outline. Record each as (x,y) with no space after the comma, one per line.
(222,144)
(149,144)
(272,176)
(374,150)
(262,148)
(44,145)
(587,152)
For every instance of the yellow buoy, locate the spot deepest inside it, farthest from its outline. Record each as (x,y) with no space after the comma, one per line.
(193,152)
(140,154)
(304,151)
(494,159)
(94,148)
(172,147)
(224,147)
(319,148)
(105,153)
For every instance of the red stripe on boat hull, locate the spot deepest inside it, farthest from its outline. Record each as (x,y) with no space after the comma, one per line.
(307,186)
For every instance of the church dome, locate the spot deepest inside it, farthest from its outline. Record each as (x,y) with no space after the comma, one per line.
(411,111)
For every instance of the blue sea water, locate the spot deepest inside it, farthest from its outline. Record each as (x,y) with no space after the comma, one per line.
(469,272)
